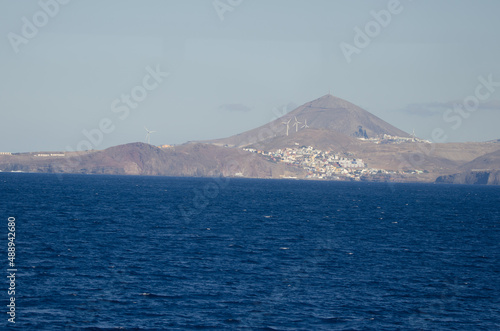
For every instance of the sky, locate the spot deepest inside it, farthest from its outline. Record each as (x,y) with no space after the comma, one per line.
(92,74)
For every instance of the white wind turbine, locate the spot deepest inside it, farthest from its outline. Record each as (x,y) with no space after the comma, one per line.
(148,134)
(296,124)
(305,124)
(287,125)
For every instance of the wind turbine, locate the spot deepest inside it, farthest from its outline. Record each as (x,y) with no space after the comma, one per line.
(305,124)
(287,125)
(148,134)
(296,124)
(413,134)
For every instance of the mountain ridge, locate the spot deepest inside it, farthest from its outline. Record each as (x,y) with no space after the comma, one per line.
(325,132)
(193,160)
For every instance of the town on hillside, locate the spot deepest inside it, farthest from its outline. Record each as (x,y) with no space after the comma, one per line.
(321,164)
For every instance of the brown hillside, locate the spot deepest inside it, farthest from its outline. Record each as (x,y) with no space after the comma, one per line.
(326,113)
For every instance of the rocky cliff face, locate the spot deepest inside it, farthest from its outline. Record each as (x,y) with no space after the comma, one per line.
(472,177)
(483,170)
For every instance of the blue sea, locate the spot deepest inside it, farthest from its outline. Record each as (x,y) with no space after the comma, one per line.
(151,253)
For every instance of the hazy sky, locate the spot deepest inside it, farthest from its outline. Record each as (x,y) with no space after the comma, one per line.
(73,67)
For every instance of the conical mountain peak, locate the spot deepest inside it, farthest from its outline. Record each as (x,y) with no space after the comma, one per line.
(336,114)
(327,113)
(329,101)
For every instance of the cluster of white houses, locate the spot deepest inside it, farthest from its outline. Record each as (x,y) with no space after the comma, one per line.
(317,163)
(326,165)
(388,139)
(50,154)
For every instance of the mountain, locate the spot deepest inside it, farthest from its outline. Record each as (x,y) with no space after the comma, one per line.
(484,169)
(319,138)
(338,115)
(327,124)
(196,160)
(490,161)
(326,114)
(438,158)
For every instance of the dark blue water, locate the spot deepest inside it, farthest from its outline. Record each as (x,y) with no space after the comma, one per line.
(107,252)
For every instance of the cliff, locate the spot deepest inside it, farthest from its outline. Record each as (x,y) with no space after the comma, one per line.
(485,177)
(197,160)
